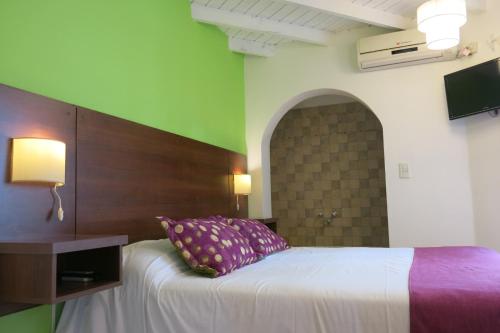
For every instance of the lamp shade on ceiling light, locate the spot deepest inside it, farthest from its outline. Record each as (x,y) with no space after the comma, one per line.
(443,39)
(242,184)
(38,160)
(441,20)
(436,14)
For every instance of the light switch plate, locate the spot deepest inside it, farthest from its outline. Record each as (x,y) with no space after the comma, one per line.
(404,171)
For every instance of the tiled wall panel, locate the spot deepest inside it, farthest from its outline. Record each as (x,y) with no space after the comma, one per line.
(330,158)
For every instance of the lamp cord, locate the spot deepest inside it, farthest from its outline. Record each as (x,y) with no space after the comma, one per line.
(60,212)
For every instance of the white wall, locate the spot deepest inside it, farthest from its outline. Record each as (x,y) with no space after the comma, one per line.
(484,152)
(434,207)
(484,145)
(324,100)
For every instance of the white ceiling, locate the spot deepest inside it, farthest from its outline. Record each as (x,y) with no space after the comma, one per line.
(258,27)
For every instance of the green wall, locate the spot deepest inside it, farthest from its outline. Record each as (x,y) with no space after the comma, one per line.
(36,320)
(142,60)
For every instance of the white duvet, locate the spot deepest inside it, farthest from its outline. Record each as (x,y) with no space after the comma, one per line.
(337,290)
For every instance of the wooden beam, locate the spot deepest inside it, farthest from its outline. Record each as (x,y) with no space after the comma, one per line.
(348,10)
(251,48)
(235,20)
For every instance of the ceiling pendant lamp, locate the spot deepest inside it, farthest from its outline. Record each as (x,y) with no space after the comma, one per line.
(443,38)
(441,20)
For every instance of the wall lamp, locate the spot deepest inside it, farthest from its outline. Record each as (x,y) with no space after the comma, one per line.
(37,160)
(242,186)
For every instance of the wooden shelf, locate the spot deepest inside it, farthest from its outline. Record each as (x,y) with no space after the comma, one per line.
(31,269)
(59,244)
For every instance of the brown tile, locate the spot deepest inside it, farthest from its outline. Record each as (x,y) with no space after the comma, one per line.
(330,157)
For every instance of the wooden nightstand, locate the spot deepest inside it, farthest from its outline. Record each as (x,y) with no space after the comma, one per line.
(271,223)
(30,271)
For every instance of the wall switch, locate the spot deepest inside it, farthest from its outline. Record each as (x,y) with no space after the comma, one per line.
(404,171)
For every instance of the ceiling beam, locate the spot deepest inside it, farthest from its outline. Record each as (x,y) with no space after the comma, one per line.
(235,20)
(348,10)
(239,45)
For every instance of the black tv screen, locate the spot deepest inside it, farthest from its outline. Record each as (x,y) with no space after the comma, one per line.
(473,90)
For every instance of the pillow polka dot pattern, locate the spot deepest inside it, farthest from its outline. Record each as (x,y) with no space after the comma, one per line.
(262,239)
(208,246)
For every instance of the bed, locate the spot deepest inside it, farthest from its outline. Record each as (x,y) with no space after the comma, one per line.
(298,290)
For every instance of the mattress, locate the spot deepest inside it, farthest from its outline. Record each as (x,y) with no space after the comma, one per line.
(362,290)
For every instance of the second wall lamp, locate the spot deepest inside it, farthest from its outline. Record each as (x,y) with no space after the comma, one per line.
(242,186)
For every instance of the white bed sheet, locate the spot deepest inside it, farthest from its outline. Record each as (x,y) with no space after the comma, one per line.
(341,290)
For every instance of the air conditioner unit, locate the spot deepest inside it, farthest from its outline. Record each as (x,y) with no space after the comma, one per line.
(398,49)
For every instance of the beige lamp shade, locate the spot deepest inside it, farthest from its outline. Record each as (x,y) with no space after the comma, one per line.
(441,20)
(242,184)
(38,160)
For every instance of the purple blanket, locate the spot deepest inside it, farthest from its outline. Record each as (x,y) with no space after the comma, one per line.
(455,290)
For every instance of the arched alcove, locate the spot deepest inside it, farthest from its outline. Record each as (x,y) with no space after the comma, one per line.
(325,159)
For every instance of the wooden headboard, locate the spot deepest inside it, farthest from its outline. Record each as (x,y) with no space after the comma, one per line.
(129,173)
(119,174)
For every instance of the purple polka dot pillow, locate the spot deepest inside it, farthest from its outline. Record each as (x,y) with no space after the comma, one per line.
(262,239)
(208,246)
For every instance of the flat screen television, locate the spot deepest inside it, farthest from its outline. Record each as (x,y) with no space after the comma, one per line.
(473,90)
